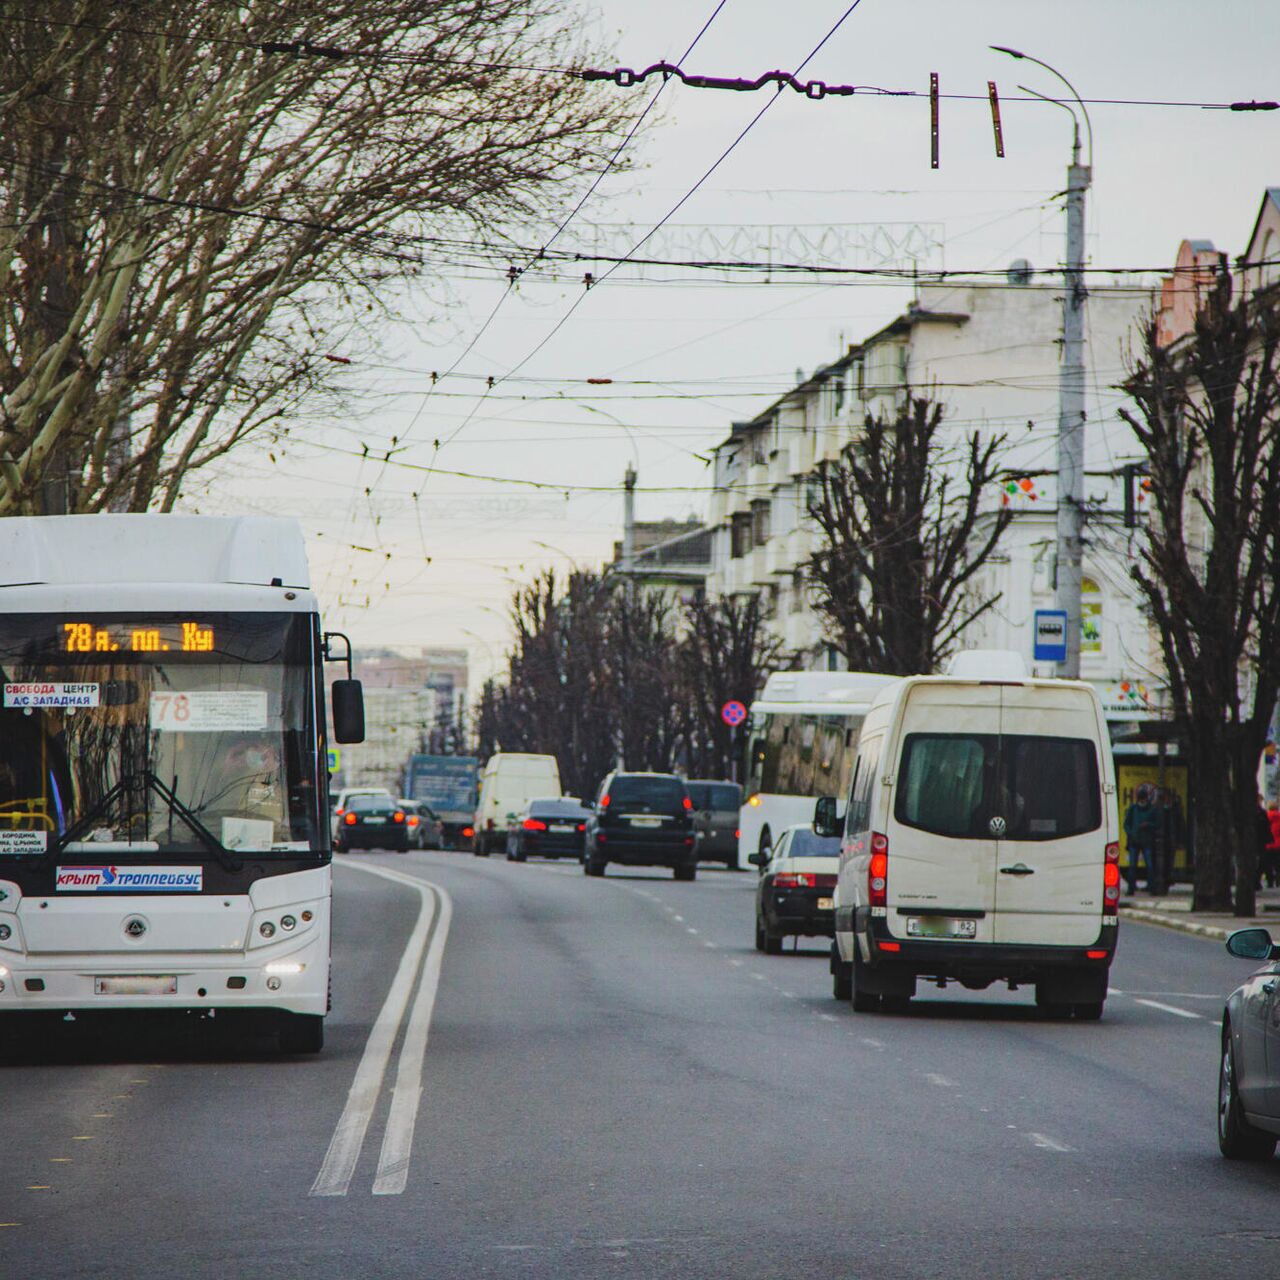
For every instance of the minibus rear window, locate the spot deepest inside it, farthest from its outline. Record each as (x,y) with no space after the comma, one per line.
(953,784)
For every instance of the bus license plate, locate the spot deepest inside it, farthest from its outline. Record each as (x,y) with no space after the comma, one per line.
(941,927)
(825,904)
(144,984)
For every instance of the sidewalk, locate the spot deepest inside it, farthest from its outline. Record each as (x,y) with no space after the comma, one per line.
(1173,911)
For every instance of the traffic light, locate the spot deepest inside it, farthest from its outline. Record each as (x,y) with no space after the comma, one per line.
(1137,484)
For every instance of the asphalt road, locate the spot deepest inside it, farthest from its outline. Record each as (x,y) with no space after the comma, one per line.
(617,1084)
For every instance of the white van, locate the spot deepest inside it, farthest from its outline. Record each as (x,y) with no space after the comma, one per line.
(509,780)
(979,844)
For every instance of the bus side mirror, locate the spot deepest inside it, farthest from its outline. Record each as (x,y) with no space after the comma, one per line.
(826,821)
(348,711)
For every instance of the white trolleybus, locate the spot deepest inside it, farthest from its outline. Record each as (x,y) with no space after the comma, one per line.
(164,835)
(802,737)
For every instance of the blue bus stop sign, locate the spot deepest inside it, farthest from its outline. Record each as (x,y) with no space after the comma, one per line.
(733,713)
(1050,635)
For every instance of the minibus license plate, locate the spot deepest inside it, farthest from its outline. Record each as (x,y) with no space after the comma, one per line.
(646,822)
(143,984)
(941,927)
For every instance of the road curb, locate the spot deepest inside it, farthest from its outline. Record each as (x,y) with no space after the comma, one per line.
(1167,920)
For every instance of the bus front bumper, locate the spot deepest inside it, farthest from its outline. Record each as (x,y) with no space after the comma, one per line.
(294,981)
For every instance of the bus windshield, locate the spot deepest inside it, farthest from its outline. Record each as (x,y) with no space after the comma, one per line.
(159,733)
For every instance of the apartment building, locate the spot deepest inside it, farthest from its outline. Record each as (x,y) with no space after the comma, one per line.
(990,354)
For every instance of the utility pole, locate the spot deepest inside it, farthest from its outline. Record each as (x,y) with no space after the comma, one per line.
(1071,414)
(629,524)
(1071,386)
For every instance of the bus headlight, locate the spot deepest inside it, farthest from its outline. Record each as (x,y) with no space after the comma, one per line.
(267,929)
(5,933)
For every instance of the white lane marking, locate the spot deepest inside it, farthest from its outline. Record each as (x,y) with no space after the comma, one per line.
(737,964)
(867,1040)
(1045,1143)
(1180,995)
(1167,1008)
(678,919)
(1114,991)
(941,1081)
(712,945)
(348,1137)
(827,1017)
(759,977)
(691,929)
(397,1142)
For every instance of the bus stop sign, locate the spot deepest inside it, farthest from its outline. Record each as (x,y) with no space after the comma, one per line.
(335,759)
(733,713)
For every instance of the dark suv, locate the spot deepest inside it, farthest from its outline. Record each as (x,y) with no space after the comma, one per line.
(642,820)
(715,818)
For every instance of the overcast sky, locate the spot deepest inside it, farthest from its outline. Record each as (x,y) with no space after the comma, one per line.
(436,568)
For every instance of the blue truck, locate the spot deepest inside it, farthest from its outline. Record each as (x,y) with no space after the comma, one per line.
(448,784)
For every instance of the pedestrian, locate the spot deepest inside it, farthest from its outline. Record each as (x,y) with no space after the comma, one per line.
(1271,862)
(1168,837)
(1141,823)
(1262,840)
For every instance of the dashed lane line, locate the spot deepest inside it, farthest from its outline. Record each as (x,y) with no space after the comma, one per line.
(1046,1143)
(942,1082)
(1168,1008)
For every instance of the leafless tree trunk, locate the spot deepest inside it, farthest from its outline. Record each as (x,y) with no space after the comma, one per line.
(898,516)
(725,654)
(1208,418)
(198,206)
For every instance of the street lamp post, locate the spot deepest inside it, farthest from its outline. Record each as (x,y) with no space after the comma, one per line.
(1071,382)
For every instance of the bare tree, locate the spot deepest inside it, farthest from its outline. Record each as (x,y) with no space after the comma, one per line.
(199,206)
(725,653)
(1208,418)
(901,535)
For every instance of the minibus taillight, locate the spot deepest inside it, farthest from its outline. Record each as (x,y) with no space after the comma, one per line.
(604,800)
(878,871)
(1111,881)
(688,804)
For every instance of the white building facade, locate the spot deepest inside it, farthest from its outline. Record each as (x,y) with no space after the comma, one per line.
(990,354)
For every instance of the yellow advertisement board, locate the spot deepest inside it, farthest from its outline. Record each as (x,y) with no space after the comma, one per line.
(1129,777)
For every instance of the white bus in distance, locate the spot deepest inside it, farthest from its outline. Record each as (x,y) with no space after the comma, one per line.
(802,737)
(164,833)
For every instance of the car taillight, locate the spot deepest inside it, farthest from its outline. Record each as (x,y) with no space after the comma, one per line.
(350,819)
(468,832)
(582,826)
(340,812)
(1095,955)
(794,880)
(604,800)
(737,835)
(413,819)
(398,816)
(688,804)
(1111,881)
(534,824)
(878,871)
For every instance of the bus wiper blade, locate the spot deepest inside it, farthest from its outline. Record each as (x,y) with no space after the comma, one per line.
(146,780)
(207,838)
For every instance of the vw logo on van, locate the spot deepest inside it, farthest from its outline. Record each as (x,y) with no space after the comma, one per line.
(998,826)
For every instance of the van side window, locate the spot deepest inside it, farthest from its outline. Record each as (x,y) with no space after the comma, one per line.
(863,790)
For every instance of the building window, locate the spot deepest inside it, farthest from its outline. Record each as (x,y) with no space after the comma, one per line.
(1090,617)
(740,535)
(760,521)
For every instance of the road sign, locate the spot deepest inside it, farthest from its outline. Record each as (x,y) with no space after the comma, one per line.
(1050,635)
(733,713)
(335,759)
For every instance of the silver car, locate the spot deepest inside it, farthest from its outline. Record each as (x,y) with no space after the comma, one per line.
(1249,1074)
